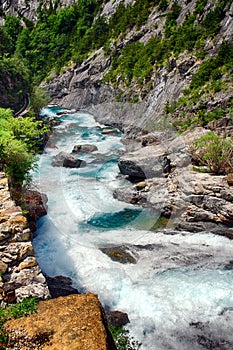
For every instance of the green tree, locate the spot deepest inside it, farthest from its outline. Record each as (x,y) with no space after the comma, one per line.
(19,138)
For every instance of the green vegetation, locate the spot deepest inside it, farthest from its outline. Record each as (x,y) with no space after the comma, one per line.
(214,152)
(122,339)
(19,140)
(126,17)
(22,309)
(212,69)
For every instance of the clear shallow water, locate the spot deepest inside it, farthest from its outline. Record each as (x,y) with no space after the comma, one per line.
(178,295)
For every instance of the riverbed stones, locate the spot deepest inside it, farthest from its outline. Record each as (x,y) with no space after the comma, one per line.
(193,201)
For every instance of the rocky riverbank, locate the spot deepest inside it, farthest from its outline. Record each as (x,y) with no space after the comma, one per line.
(162,178)
(21,276)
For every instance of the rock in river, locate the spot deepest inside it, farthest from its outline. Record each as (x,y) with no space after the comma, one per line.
(87,148)
(67,160)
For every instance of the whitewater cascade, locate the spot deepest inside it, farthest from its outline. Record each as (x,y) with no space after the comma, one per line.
(178,288)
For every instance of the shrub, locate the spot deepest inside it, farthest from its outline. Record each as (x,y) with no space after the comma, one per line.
(214,152)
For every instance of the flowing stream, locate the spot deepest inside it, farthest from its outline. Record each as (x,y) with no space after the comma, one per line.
(176,288)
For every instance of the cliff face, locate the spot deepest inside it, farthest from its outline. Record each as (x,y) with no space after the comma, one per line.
(29,9)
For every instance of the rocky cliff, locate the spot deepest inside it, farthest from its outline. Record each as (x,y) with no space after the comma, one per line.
(85,87)
(29,9)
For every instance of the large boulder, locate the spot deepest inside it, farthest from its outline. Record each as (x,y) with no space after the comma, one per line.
(65,323)
(147,162)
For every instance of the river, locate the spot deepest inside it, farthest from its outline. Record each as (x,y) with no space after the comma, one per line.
(177,290)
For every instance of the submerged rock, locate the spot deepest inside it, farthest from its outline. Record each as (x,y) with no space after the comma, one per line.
(117,318)
(121,254)
(60,286)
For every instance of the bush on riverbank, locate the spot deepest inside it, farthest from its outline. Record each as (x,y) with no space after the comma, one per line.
(214,152)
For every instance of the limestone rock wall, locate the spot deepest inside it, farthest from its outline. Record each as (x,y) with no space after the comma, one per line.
(20,274)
